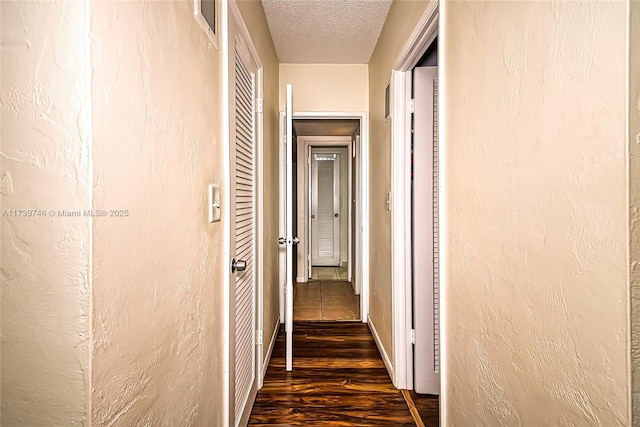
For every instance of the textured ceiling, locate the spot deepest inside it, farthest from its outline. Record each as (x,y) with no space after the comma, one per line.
(325,127)
(325,31)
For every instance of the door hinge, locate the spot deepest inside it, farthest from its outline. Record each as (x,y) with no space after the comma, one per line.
(259,104)
(412,336)
(412,106)
(259,337)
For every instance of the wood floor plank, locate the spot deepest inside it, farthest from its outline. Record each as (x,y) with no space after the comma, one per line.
(339,379)
(428,407)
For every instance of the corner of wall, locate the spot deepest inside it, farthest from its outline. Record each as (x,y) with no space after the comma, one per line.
(46,234)
(634,204)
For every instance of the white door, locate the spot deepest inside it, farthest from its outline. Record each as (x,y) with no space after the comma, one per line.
(426,285)
(289,240)
(243,228)
(325,209)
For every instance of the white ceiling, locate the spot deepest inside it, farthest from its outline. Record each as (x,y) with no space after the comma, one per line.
(325,127)
(325,31)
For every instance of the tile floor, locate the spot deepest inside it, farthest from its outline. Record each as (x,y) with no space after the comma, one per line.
(329,273)
(325,299)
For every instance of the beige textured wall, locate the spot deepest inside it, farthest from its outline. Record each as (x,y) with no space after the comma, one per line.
(401,20)
(254,18)
(326,87)
(158,273)
(536,233)
(45,165)
(634,199)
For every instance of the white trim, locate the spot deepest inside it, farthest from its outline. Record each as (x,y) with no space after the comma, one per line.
(383,352)
(443,150)
(282,232)
(408,273)
(421,37)
(230,10)
(272,344)
(244,31)
(288,320)
(401,229)
(356,275)
(319,142)
(260,249)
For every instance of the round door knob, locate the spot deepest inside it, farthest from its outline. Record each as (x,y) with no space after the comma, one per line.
(238,265)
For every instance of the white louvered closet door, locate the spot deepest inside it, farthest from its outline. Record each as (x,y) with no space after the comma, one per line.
(426,261)
(325,207)
(244,230)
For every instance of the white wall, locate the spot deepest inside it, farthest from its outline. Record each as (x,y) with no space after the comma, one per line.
(536,233)
(158,288)
(402,18)
(326,87)
(46,165)
(117,319)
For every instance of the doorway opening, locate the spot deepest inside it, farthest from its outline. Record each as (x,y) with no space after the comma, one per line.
(424,224)
(417,184)
(324,286)
(328,209)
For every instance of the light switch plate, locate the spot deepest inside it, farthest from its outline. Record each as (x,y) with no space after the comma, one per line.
(214,203)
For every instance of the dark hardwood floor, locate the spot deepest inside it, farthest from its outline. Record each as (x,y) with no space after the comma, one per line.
(338,379)
(429,408)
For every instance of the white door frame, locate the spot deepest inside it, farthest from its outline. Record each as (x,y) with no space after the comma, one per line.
(337,182)
(362,246)
(228,11)
(309,142)
(423,34)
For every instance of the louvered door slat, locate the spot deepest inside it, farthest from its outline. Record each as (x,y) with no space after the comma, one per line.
(436,236)
(325,209)
(244,235)
(426,275)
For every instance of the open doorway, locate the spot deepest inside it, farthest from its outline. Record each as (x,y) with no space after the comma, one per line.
(424,224)
(417,185)
(327,206)
(324,288)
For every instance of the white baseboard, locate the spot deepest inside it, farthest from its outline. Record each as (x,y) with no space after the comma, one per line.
(383,352)
(301,279)
(272,344)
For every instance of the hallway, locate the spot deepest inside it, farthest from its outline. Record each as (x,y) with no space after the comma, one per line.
(143,179)
(338,378)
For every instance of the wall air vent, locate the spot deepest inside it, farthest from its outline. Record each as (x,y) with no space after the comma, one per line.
(205,12)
